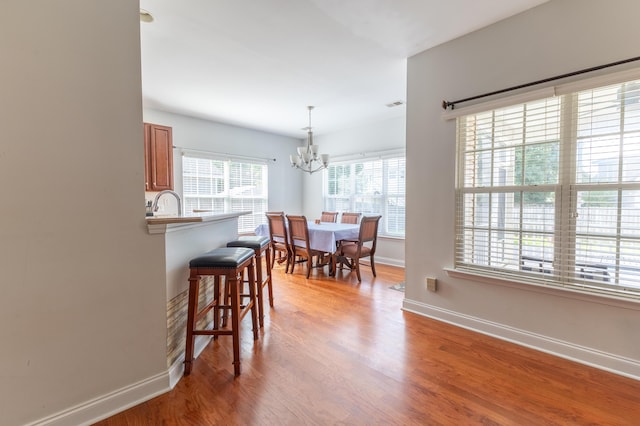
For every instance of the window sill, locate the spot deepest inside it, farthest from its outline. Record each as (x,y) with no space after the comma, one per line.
(571,293)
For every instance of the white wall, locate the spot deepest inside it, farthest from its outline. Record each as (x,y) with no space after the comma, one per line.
(285,184)
(380,136)
(558,37)
(83,307)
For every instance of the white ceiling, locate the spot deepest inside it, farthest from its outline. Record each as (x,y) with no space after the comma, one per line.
(259,63)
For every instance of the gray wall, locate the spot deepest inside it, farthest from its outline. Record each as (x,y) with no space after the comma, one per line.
(83,307)
(285,184)
(555,38)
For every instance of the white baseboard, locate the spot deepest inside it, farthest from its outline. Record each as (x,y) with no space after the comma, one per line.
(109,404)
(390,261)
(602,360)
(384,261)
(117,401)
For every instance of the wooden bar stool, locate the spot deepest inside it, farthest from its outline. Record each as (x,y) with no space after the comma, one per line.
(260,246)
(230,263)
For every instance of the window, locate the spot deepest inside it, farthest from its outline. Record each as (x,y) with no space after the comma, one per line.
(548,191)
(370,187)
(226,185)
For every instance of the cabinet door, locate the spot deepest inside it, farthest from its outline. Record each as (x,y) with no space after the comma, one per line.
(160,157)
(147,157)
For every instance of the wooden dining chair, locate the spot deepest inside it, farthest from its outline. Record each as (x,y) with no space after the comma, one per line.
(299,242)
(279,239)
(364,246)
(350,217)
(329,217)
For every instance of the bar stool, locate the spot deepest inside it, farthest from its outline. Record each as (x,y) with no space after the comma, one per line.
(230,263)
(260,246)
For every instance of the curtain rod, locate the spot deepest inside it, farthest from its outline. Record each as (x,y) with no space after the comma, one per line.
(447,104)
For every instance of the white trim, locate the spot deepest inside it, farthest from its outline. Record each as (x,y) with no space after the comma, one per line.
(117,401)
(109,404)
(385,261)
(612,363)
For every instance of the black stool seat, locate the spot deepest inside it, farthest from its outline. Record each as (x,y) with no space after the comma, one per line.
(223,257)
(255,242)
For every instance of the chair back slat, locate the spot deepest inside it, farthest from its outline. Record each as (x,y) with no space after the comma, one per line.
(369,228)
(350,217)
(298,230)
(329,216)
(277,227)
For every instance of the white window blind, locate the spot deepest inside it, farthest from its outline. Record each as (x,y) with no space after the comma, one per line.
(226,185)
(370,187)
(548,191)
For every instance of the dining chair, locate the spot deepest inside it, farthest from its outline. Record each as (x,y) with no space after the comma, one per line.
(350,217)
(279,239)
(299,242)
(329,216)
(364,246)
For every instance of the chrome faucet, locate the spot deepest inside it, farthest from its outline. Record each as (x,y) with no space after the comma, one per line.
(167,191)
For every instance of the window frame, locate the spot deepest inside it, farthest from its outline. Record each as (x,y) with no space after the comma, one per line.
(352,198)
(567,190)
(246,223)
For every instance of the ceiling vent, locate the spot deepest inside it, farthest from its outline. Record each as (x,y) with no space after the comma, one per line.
(395,104)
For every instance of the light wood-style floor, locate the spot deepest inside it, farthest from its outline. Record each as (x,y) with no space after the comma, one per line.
(337,352)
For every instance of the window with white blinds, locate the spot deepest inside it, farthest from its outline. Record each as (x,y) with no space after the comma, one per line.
(224,186)
(548,191)
(371,187)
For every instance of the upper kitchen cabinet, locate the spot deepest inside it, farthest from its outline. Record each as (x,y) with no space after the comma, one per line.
(158,157)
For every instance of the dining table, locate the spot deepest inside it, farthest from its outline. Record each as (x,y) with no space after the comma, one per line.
(323,236)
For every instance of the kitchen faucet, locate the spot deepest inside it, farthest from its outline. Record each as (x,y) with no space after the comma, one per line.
(167,191)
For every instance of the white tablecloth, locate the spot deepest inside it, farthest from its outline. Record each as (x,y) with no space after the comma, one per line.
(323,237)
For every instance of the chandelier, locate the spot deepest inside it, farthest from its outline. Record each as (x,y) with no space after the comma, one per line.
(308,160)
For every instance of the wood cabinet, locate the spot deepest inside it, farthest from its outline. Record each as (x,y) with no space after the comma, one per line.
(158,157)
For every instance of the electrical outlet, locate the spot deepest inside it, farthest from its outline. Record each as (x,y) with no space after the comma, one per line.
(432,284)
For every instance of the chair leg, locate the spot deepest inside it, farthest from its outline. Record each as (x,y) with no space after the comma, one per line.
(289,255)
(356,261)
(273,257)
(269,280)
(293,260)
(373,266)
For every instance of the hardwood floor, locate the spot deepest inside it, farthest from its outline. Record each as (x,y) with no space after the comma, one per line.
(337,352)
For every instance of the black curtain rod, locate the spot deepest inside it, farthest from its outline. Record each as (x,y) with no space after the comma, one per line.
(447,104)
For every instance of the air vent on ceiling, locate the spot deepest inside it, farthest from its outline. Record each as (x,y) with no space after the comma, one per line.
(395,104)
